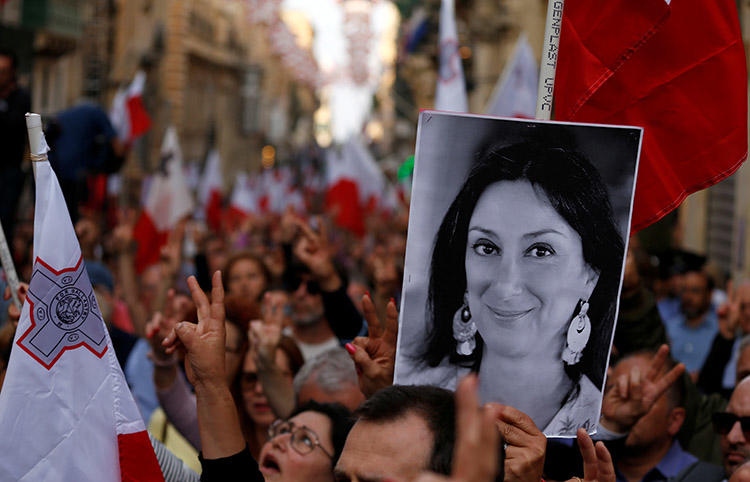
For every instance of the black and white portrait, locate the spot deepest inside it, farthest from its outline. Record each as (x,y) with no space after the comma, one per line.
(514,261)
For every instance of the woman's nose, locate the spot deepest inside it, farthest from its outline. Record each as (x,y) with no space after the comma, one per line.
(281,441)
(507,282)
(258,388)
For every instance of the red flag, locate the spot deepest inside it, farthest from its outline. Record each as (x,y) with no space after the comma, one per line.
(678,71)
(140,122)
(342,196)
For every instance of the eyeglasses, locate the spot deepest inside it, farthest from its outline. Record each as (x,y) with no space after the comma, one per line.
(303,439)
(724,421)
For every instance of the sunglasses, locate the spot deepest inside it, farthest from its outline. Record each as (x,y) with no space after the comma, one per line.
(311,287)
(724,421)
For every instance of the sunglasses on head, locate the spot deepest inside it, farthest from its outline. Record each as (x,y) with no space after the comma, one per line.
(724,421)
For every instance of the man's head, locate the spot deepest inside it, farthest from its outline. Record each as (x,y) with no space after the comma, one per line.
(307,302)
(661,423)
(329,378)
(400,431)
(8,65)
(735,442)
(696,294)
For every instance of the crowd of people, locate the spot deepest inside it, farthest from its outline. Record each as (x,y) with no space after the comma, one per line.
(265,350)
(268,354)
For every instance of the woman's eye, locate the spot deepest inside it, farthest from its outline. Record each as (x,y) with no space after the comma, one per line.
(541,251)
(305,439)
(484,248)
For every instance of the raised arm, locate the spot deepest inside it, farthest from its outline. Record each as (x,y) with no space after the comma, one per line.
(203,344)
(265,336)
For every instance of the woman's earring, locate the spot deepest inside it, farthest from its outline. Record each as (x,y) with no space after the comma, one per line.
(464,330)
(579,332)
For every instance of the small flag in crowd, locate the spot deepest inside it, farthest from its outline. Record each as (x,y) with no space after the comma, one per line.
(166,203)
(451,87)
(65,409)
(355,184)
(128,115)
(677,69)
(244,202)
(516,90)
(210,190)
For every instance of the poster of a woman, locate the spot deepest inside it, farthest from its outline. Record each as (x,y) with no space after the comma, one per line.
(514,260)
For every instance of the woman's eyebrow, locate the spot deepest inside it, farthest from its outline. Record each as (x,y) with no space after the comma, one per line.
(486,231)
(542,232)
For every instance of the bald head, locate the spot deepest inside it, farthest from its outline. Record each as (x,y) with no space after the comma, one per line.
(735,446)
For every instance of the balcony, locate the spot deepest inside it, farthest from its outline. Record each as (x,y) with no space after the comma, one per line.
(60,17)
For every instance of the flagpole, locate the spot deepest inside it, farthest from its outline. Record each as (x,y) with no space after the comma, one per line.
(10,270)
(548,63)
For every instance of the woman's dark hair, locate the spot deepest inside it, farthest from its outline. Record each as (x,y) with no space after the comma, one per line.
(341,423)
(240,311)
(575,190)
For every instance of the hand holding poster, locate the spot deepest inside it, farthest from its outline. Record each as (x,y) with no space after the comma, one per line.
(514,261)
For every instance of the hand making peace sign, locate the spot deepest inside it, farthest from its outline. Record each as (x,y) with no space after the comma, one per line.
(375,355)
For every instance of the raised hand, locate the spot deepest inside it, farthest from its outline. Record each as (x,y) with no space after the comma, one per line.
(526,444)
(632,395)
(123,239)
(14,312)
(729,314)
(265,335)
(160,326)
(475,456)
(597,462)
(375,355)
(171,253)
(312,249)
(203,343)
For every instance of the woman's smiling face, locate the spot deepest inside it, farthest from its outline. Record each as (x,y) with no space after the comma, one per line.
(525,271)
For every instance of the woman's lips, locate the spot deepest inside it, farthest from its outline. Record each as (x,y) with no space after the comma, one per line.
(261,407)
(509,315)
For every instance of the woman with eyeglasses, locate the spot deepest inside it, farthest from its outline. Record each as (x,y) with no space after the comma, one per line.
(307,446)
(302,448)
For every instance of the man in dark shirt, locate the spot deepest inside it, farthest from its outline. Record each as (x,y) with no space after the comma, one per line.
(651,452)
(14,104)
(84,142)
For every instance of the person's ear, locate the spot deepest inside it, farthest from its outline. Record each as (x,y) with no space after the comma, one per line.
(591,276)
(675,420)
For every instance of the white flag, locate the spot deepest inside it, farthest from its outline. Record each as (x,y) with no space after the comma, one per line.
(450,94)
(516,90)
(66,413)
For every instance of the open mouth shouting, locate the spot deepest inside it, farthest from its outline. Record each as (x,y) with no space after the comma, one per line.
(269,465)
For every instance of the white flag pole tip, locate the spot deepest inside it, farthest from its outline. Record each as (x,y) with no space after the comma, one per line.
(37,144)
(548,65)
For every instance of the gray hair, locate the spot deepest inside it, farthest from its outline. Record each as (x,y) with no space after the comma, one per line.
(330,370)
